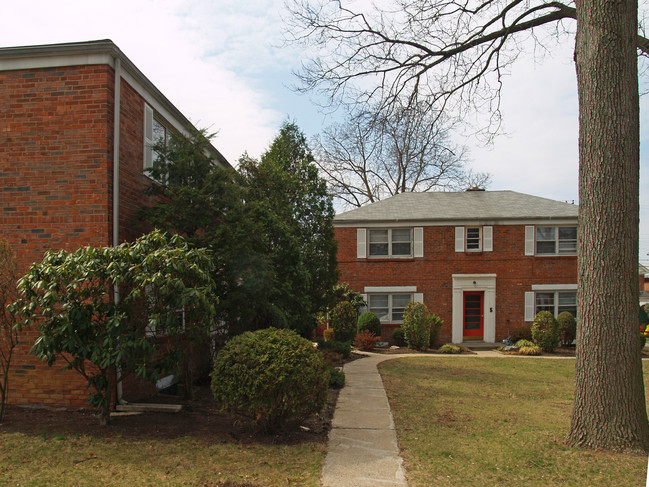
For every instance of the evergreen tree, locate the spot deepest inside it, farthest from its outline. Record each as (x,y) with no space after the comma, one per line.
(268,226)
(290,200)
(204,202)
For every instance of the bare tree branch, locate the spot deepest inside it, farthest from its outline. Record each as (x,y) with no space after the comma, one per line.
(378,154)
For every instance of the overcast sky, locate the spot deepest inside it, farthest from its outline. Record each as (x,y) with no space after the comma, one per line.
(221,63)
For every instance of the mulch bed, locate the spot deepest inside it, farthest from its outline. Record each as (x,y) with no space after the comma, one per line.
(407,351)
(199,418)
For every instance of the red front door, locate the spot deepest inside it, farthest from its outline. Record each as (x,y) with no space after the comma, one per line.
(473,315)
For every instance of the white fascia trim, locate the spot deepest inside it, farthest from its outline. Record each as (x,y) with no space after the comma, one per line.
(390,289)
(455,223)
(153,103)
(554,287)
(56,61)
(66,60)
(90,59)
(93,58)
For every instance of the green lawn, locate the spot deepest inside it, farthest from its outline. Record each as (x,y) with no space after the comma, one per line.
(488,422)
(87,461)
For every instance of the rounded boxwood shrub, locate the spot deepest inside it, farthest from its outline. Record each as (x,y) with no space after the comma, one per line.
(545,331)
(417,326)
(336,378)
(567,328)
(370,322)
(343,321)
(272,375)
(399,337)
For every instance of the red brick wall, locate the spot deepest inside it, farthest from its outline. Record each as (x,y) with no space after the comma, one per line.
(56,173)
(432,274)
(55,168)
(133,182)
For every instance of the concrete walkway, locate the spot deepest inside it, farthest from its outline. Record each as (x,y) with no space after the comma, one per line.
(363,449)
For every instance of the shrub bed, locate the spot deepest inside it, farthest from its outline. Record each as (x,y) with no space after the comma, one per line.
(343,348)
(272,375)
(399,337)
(545,331)
(365,340)
(369,321)
(417,325)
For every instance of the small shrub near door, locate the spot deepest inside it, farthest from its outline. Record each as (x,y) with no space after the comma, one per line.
(521,333)
(545,331)
(271,375)
(533,350)
(417,326)
(449,348)
(452,348)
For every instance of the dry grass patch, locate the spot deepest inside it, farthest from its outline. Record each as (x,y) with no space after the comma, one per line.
(489,422)
(58,460)
(196,447)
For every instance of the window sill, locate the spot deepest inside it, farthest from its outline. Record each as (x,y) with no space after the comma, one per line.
(555,255)
(389,259)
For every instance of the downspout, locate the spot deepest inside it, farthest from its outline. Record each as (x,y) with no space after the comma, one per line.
(116,130)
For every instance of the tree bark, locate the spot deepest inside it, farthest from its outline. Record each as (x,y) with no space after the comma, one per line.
(609,407)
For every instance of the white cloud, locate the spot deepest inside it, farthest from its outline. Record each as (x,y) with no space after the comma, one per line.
(194,52)
(538,153)
(220,64)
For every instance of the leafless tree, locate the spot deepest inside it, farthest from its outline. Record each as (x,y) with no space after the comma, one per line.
(377,154)
(8,335)
(452,54)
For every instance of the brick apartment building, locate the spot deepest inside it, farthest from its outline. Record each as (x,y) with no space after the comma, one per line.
(485,262)
(76,126)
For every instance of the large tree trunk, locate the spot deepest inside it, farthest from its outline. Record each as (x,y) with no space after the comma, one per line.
(609,408)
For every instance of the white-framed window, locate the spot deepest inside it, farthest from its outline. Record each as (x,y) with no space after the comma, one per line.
(389,307)
(155,131)
(556,301)
(390,242)
(474,239)
(556,240)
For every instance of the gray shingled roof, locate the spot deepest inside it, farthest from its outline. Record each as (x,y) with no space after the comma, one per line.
(466,205)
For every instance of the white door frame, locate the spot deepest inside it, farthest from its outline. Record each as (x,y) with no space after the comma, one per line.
(474,282)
